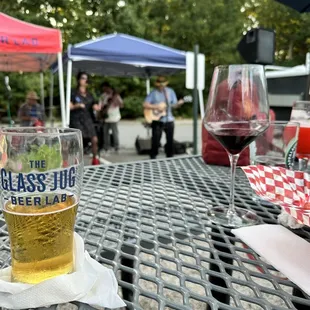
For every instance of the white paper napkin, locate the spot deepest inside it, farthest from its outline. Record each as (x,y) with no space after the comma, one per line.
(288,220)
(287,252)
(90,283)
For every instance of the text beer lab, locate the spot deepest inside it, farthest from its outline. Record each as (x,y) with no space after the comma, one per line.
(36,182)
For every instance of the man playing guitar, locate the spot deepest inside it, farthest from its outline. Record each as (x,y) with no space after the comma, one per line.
(162,100)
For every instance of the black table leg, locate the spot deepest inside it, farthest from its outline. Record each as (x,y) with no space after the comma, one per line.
(298,293)
(222,297)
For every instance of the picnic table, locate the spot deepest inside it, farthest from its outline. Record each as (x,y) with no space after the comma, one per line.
(148,222)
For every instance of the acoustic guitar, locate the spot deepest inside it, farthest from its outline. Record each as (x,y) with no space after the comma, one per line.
(151,115)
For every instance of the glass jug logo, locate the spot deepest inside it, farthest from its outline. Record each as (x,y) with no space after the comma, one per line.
(34,183)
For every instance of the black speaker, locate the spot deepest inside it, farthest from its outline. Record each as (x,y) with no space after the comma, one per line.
(143,145)
(258,46)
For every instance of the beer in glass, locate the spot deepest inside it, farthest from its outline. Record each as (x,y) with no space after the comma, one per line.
(40,180)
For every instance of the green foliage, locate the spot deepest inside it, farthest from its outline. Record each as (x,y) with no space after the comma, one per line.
(217,27)
(132,107)
(50,154)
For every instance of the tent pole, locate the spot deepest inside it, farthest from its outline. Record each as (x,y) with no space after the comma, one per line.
(148,85)
(51,119)
(195,100)
(42,90)
(61,90)
(148,90)
(202,109)
(68,90)
(9,97)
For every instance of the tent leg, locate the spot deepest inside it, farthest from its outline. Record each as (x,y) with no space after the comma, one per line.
(148,85)
(195,100)
(61,90)
(307,92)
(9,97)
(51,118)
(68,90)
(148,90)
(42,90)
(201,106)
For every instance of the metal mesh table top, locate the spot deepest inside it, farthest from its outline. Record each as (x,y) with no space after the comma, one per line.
(154,214)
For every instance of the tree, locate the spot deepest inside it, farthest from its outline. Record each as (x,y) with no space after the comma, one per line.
(177,23)
(217,27)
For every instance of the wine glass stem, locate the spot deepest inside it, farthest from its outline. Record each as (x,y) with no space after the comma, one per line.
(302,164)
(233,164)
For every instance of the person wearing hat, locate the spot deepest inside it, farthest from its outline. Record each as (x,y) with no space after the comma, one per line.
(31,113)
(154,101)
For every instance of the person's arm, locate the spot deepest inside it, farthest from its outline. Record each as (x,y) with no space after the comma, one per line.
(148,105)
(96,107)
(76,106)
(22,114)
(119,101)
(26,118)
(178,104)
(175,102)
(93,105)
(149,102)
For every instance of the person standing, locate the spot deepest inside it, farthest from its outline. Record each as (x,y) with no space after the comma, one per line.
(31,113)
(82,106)
(162,94)
(110,103)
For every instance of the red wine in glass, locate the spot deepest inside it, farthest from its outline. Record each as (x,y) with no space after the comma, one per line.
(235,140)
(237,112)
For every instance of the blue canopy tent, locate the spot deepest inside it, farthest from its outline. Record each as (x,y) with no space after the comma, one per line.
(122,55)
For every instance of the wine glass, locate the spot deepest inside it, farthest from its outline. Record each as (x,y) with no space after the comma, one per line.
(237,112)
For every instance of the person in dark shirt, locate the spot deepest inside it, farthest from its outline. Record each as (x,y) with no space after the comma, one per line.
(82,106)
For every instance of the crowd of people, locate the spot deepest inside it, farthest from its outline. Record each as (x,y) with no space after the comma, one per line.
(98,119)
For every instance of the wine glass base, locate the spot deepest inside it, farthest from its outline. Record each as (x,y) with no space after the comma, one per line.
(241,217)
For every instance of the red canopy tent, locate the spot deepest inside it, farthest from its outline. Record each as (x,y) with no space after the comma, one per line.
(30,48)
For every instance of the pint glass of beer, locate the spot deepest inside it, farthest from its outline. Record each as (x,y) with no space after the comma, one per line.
(41,172)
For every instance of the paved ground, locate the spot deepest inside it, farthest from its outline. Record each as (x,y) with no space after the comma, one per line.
(129,130)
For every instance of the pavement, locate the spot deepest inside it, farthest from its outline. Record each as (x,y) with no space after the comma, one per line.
(130,130)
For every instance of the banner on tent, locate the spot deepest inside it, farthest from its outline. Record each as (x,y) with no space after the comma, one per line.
(6,40)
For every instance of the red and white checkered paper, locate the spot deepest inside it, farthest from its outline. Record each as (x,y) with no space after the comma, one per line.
(286,188)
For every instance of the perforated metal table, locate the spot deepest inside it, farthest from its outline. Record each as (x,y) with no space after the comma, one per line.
(147,221)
